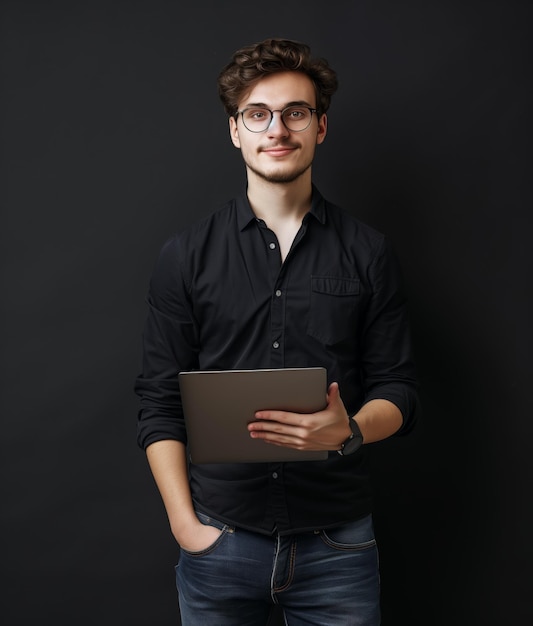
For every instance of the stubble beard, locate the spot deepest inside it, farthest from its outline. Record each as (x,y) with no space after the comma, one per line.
(279,177)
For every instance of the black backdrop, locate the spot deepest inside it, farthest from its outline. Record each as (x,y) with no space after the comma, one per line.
(112,138)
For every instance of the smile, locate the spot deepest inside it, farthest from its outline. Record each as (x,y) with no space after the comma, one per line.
(280,151)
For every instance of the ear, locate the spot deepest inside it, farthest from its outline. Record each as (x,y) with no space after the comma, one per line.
(322,129)
(234,132)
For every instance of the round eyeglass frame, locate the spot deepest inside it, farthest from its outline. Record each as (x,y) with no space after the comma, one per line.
(282,111)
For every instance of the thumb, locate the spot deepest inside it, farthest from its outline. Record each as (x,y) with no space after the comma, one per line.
(333,393)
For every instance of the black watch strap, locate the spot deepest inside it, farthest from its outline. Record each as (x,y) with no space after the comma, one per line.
(354,441)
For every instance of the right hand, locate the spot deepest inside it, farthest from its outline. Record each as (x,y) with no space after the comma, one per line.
(197,537)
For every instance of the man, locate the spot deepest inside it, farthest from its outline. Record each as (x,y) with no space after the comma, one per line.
(279,277)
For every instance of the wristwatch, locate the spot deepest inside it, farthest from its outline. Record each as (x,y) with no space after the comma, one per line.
(354,441)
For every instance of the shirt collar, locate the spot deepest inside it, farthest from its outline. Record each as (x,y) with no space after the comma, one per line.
(245,215)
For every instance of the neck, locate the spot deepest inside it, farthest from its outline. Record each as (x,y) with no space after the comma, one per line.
(275,202)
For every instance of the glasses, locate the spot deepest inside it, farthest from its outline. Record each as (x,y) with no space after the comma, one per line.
(295,118)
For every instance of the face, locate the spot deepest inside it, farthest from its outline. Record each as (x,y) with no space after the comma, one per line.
(279,155)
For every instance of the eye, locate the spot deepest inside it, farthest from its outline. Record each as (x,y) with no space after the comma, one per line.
(257,115)
(296,113)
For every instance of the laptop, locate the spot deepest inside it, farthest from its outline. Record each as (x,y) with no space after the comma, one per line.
(218,405)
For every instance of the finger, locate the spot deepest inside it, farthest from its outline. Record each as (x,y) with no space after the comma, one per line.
(270,426)
(283,417)
(333,392)
(277,439)
(334,396)
(275,430)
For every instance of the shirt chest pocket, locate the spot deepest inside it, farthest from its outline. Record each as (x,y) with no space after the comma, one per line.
(333,306)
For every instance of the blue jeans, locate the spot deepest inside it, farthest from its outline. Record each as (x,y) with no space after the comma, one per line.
(321,578)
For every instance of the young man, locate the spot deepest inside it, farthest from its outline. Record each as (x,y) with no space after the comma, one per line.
(279,277)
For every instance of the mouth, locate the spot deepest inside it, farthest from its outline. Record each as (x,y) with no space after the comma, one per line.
(279,151)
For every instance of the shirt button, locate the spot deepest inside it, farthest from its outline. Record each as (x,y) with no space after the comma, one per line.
(275,344)
(278,292)
(272,246)
(275,475)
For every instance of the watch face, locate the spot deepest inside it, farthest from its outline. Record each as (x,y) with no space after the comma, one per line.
(352,445)
(355,441)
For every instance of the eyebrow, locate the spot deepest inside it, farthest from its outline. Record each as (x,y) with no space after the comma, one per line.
(294,103)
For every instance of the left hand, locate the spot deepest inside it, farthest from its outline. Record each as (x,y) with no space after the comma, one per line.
(323,430)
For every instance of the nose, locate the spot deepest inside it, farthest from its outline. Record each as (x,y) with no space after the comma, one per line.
(277,128)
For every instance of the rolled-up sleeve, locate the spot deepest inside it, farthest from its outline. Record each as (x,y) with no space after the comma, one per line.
(388,365)
(170,341)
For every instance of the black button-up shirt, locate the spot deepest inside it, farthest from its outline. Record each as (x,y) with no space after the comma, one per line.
(220,298)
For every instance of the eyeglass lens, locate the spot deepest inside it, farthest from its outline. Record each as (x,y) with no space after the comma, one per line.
(295,118)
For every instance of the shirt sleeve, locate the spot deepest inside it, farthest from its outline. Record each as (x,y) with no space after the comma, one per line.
(388,365)
(170,345)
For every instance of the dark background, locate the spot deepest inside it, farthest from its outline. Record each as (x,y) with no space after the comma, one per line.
(112,138)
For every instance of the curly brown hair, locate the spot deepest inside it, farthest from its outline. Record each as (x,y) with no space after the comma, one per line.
(251,63)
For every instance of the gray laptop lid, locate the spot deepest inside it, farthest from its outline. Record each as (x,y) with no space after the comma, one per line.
(218,405)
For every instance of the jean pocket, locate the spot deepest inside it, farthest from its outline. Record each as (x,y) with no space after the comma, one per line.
(210,521)
(354,536)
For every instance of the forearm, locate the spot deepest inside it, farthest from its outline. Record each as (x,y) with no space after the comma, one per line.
(168,463)
(378,419)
